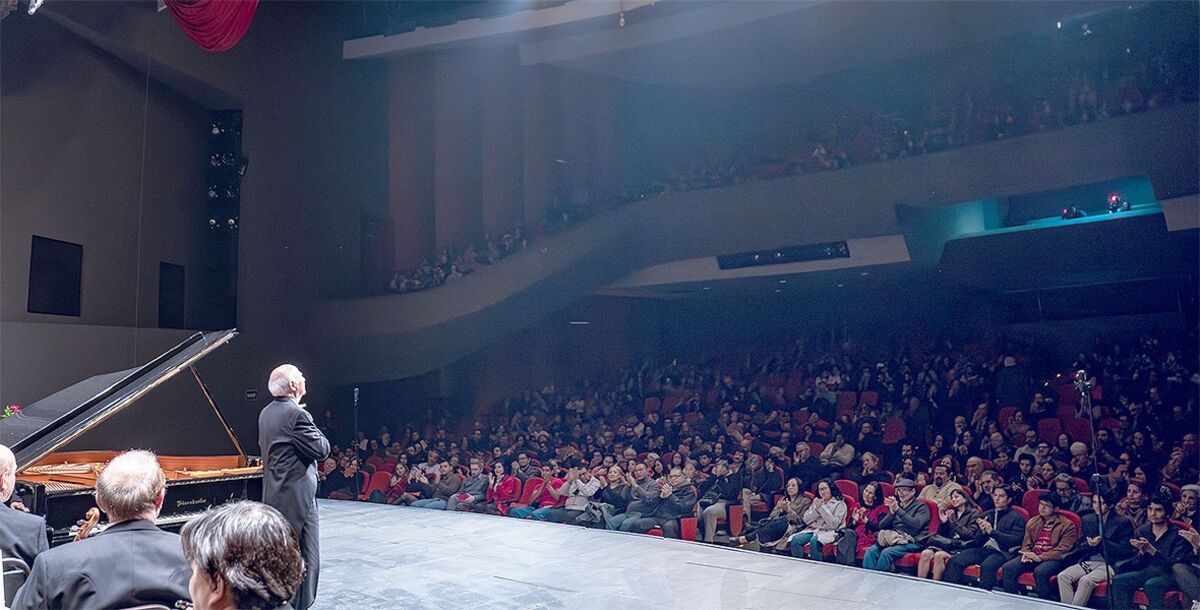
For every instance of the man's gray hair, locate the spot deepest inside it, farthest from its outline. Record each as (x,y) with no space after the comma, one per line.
(129,485)
(8,468)
(251,547)
(281,378)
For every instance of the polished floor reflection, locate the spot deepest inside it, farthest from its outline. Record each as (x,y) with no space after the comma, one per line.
(391,557)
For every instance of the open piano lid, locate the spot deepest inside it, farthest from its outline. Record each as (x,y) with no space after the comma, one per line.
(50,423)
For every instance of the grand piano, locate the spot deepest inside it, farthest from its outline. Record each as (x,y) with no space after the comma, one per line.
(61,484)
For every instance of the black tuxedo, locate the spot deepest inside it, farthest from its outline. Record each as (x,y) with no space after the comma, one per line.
(291,446)
(129,564)
(22,534)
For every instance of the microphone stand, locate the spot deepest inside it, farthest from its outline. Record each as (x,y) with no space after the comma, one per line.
(357,450)
(1085,385)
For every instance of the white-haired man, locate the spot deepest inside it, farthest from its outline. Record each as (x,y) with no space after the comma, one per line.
(291,446)
(131,563)
(21,534)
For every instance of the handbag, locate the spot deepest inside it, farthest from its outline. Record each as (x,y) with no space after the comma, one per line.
(886,538)
(944,543)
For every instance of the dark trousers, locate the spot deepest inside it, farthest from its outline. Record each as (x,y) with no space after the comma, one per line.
(989,561)
(1042,571)
(562,515)
(310,550)
(670,527)
(1187,576)
(770,531)
(1154,579)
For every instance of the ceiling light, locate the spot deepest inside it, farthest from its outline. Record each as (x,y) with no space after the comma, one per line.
(865,273)
(707,288)
(840,285)
(34,5)
(782,281)
(578,322)
(778,290)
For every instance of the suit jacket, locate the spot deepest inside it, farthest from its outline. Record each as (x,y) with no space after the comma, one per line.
(129,564)
(22,534)
(290,445)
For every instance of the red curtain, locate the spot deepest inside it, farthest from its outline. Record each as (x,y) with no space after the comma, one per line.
(214,25)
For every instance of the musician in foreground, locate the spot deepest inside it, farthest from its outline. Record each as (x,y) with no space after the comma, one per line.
(22,535)
(130,563)
(291,445)
(244,556)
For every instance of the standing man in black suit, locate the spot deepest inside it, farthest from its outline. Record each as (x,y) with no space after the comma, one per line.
(21,534)
(291,446)
(131,563)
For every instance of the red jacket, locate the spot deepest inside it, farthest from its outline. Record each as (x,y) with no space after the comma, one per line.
(504,493)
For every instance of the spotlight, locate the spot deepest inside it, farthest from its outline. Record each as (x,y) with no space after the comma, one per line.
(34,5)
(212,223)
(216,129)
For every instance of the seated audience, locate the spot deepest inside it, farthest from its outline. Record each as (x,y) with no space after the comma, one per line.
(785,519)
(902,530)
(643,490)
(676,498)
(1002,530)
(473,489)
(1049,537)
(130,563)
(244,556)
(579,488)
(941,487)
(435,495)
(1159,547)
(22,535)
(717,493)
(958,528)
(824,517)
(836,455)
(1086,566)
(862,524)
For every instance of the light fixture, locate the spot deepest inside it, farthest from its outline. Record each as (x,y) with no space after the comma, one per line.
(777,291)
(578,322)
(865,273)
(782,281)
(841,285)
(707,288)
(34,5)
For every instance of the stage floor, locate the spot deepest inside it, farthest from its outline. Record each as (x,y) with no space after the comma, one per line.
(391,557)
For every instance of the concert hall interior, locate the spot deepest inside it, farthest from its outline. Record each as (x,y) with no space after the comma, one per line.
(791,281)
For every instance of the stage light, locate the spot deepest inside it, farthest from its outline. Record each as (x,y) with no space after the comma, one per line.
(1058,25)
(782,281)
(212,223)
(777,291)
(841,285)
(34,5)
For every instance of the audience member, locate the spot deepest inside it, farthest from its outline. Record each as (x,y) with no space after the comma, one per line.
(1049,537)
(244,556)
(826,515)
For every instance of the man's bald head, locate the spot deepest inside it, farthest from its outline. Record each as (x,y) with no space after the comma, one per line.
(286,380)
(8,473)
(132,486)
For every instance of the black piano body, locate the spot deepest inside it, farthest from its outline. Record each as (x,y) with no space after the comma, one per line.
(60,485)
